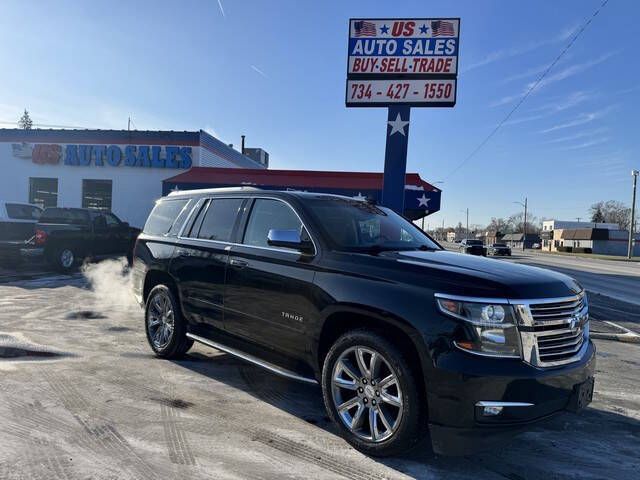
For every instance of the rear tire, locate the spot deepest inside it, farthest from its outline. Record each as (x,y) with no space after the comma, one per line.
(164,324)
(394,408)
(63,259)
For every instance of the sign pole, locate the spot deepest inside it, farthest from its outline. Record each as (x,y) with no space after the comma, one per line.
(395,158)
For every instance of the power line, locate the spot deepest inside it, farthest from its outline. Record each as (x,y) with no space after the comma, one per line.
(529,91)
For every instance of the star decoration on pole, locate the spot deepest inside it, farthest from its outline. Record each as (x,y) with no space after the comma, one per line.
(398,125)
(423,201)
(360,197)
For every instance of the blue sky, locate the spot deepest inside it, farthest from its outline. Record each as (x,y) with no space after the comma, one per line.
(275,71)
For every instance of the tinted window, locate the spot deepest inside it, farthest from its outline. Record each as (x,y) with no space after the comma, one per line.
(474,242)
(220,219)
(18,211)
(267,215)
(163,216)
(65,215)
(355,225)
(499,244)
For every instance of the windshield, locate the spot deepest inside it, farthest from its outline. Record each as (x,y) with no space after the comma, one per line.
(355,225)
(474,242)
(499,245)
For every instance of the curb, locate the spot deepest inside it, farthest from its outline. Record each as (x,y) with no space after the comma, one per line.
(627,336)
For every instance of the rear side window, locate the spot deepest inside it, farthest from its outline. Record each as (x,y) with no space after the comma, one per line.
(65,215)
(220,219)
(164,216)
(19,211)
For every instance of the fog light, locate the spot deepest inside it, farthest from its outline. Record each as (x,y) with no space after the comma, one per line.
(491,411)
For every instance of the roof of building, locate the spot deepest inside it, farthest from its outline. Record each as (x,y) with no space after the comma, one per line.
(585,234)
(292,178)
(517,237)
(134,137)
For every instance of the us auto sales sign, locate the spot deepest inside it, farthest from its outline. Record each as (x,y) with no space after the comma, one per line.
(403,61)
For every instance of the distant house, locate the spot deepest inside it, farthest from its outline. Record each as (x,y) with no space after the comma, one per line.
(551,229)
(596,240)
(515,240)
(455,236)
(492,236)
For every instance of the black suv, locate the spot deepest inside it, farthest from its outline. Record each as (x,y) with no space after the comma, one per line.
(400,334)
(472,247)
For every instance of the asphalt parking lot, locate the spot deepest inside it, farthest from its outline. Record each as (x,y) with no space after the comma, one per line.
(82,397)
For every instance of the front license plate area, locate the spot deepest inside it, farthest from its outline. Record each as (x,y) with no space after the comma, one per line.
(582,395)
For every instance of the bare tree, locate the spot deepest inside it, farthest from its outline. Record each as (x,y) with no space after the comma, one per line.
(25,121)
(611,211)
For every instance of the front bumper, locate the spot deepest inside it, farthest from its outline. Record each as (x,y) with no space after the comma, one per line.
(461,380)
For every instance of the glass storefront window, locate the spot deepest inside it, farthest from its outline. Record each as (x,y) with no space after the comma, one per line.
(96,194)
(43,192)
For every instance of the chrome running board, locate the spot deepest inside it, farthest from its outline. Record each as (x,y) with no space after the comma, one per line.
(251,359)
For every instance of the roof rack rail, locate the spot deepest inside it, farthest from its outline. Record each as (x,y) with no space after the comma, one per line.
(214,190)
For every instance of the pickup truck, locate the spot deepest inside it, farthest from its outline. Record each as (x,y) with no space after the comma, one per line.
(66,236)
(17,226)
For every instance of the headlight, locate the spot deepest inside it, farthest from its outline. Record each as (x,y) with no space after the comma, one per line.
(488,328)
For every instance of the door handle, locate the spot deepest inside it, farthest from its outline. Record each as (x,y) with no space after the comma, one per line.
(238,263)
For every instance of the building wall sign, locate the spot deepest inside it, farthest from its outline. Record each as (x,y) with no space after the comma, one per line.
(145,156)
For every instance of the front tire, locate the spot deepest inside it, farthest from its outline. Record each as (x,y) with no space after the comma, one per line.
(164,324)
(371,392)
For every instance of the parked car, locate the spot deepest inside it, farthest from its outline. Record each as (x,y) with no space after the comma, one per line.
(472,247)
(401,334)
(17,226)
(65,236)
(536,246)
(499,249)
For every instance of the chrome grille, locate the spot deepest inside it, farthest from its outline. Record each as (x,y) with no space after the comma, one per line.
(554,330)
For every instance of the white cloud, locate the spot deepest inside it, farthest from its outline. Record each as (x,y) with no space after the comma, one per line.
(587,144)
(563,74)
(256,69)
(504,54)
(581,120)
(558,104)
(577,136)
(571,71)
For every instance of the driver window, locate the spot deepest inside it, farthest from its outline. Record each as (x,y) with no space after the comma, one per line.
(266,215)
(112,221)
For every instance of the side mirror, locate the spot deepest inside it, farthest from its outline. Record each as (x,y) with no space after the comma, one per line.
(288,239)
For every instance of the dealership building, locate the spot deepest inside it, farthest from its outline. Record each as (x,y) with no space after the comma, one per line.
(125,171)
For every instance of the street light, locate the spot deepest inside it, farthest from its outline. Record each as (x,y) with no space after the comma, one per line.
(524,224)
(634,174)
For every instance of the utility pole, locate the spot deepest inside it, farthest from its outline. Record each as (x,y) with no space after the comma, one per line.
(524,225)
(467,222)
(634,174)
(444,237)
(129,124)
(524,238)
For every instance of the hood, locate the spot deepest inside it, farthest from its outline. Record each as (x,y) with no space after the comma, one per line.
(460,274)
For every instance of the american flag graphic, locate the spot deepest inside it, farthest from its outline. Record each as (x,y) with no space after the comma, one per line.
(22,150)
(442,28)
(365,29)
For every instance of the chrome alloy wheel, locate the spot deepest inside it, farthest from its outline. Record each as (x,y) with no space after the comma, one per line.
(160,324)
(366,393)
(66,258)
